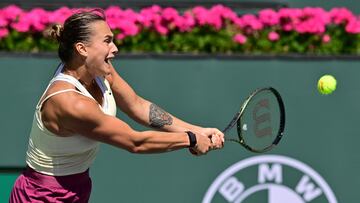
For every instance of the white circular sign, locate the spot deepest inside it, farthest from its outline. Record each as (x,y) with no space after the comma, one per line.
(272,179)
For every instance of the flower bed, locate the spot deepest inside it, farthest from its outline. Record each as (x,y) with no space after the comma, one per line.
(198,30)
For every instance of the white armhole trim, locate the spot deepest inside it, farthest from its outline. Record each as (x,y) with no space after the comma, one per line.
(58,92)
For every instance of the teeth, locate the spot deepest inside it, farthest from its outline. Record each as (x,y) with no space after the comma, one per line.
(108,60)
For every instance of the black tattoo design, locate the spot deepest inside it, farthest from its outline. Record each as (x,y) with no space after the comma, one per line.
(158,117)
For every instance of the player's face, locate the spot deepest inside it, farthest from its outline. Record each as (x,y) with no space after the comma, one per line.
(101,49)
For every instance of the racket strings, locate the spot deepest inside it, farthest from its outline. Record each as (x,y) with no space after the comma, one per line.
(260,121)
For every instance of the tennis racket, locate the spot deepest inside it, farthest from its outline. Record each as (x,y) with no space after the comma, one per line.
(260,122)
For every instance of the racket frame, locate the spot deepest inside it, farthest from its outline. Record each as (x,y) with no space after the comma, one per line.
(237,120)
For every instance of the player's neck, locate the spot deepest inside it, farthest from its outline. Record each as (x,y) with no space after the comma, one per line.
(80,73)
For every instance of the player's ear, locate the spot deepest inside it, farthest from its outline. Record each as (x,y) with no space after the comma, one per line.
(80,48)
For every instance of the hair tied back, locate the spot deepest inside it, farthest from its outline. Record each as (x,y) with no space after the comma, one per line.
(56,32)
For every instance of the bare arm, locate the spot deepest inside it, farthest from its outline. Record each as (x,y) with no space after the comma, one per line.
(83,116)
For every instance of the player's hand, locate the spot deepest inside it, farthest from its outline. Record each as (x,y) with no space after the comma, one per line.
(203,145)
(215,136)
(217,140)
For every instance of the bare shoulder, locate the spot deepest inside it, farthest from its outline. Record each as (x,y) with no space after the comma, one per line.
(60,101)
(59,86)
(72,102)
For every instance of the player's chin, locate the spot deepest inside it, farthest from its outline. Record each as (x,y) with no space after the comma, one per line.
(106,73)
(103,72)
(106,69)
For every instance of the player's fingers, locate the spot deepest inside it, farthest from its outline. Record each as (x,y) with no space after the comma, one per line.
(220,137)
(219,134)
(216,142)
(212,141)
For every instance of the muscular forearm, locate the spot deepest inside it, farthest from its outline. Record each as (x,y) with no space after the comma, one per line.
(156,142)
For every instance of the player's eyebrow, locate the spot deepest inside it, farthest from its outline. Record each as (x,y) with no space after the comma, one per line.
(111,37)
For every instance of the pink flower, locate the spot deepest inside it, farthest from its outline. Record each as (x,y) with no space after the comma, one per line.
(128,28)
(60,15)
(185,23)
(341,15)
(112,12)
(161,29)
(124,20)
(201,14)
(291,13)
(155,9)
(326,38)
(22,24)
(215,21)
(34,20)
(120,36)
(3,32)
(353,26)
(112,23)
(145,18)
(3,21)
(251,21)
(224,12)
(11,12)
(38,19)
(287,27)
(170,14)
(238,21)
(240,38)
(289,18)
(212,17)
(273,36)
(149,16)
(269,17)
(316,13)
(313,26)
(129,15)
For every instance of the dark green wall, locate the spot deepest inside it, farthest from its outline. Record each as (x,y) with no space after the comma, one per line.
(6,181)
(352,5)
(321,131)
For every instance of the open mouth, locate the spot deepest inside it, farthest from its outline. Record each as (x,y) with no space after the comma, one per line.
(108,59)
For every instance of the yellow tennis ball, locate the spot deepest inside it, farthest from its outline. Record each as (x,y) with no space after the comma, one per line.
(326,84)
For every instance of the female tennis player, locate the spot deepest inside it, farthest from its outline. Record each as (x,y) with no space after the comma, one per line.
(77,111)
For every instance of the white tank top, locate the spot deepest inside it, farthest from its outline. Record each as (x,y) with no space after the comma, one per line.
(55,155)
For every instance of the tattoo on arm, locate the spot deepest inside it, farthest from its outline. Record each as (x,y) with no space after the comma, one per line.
(158,117)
